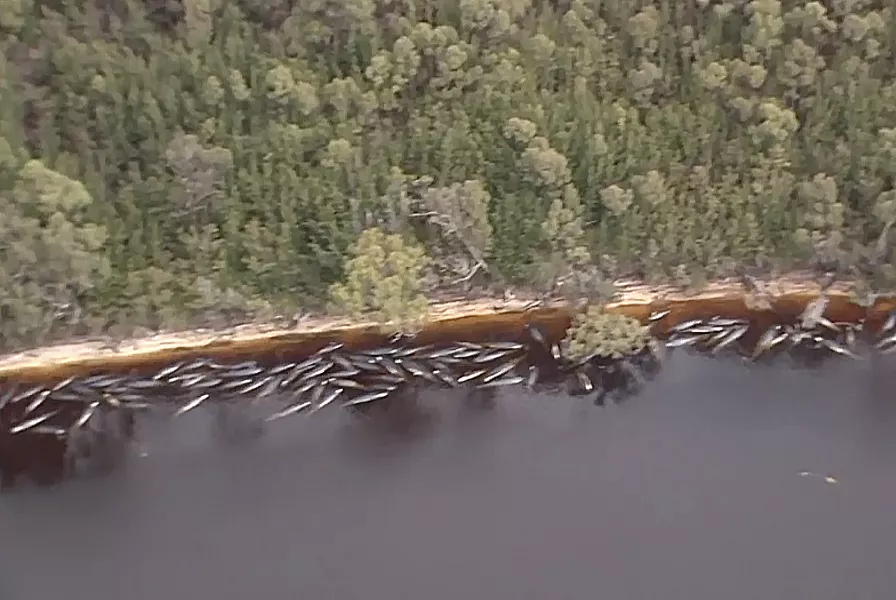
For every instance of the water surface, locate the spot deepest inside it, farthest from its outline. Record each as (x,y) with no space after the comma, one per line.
(691,491)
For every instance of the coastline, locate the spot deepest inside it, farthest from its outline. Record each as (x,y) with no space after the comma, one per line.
(631,295)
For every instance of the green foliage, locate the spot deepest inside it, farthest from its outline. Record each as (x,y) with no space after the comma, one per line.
(383,281)
(234,152)
(50,257)
(605,334)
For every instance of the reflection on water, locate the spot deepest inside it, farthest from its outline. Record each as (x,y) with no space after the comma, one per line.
(690,490)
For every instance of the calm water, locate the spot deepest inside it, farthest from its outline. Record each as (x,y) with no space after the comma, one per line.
(689,491)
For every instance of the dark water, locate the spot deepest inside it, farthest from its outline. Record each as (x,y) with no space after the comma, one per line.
(691,490)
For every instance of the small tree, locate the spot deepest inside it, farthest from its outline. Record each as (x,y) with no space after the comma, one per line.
(596,332)
(383,280)
(460,214)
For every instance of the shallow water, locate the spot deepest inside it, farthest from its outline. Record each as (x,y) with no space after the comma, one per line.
(57,363)
(690,490)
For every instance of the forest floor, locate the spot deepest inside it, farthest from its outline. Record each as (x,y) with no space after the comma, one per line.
(629,292)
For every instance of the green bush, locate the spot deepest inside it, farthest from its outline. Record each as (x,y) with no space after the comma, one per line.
(604,334)
(383,281)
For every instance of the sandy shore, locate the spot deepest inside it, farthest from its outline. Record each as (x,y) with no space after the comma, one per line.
(630,293)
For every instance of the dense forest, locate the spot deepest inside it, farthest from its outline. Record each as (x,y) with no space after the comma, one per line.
(170,163)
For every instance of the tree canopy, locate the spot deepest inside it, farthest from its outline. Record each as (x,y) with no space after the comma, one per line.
(168,161)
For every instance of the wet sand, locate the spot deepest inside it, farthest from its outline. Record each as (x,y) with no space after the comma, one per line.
(691,491)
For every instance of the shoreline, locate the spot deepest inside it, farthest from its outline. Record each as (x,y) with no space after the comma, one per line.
(630,294)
